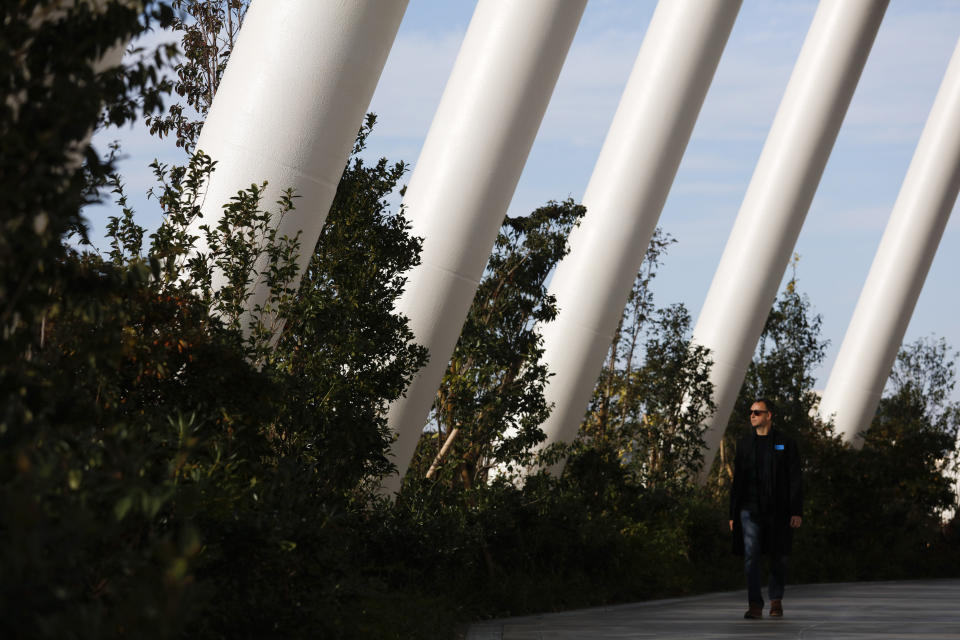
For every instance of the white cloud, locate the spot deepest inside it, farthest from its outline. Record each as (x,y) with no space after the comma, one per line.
(902,75)
(413,81)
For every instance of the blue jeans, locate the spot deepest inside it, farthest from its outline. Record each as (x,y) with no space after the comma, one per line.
(753,533)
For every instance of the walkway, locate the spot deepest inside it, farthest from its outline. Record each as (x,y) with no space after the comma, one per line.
(928,609)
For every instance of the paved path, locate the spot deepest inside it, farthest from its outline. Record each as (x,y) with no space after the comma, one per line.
(905,610)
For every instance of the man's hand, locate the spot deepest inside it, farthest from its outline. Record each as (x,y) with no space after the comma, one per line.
(731,525)
(795,522)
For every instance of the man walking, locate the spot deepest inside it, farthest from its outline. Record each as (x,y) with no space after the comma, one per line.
(766,505)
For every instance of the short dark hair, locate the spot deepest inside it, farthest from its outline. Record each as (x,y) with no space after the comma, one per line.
(767,404)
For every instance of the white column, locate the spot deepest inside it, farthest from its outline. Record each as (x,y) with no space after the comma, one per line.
(899,268)
(465,177)
(291,102)
(786,177)
(625,196)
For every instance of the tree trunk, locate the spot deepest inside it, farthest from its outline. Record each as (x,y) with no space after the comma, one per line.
(443,452)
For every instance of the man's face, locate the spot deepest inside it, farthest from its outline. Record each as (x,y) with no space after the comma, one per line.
(759,415)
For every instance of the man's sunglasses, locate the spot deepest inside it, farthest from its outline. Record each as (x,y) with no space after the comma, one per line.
(755,412)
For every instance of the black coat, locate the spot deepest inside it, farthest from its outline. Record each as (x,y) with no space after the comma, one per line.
(787,491)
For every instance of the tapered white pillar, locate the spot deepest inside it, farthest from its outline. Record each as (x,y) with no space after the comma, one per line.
(786,177)
(290,104)
(899,268)
(625,196)
(465,177)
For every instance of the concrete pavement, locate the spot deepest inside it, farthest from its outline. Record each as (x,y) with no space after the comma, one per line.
(907,610)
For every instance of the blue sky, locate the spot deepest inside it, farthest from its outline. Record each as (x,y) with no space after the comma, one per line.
(855,197)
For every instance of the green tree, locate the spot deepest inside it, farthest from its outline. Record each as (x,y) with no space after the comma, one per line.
(925,374)
(882,506)
(88,545)
(51,104)
(653,393)
(608,405)
(349,352)
(210,29)
(146,440)
(788,353)
(301,470)
(490,403)
(913,436)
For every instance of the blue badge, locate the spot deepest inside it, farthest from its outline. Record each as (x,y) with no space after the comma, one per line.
(778,447)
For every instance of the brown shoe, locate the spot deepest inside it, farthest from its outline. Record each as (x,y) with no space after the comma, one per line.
(755,611)
(776,609)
